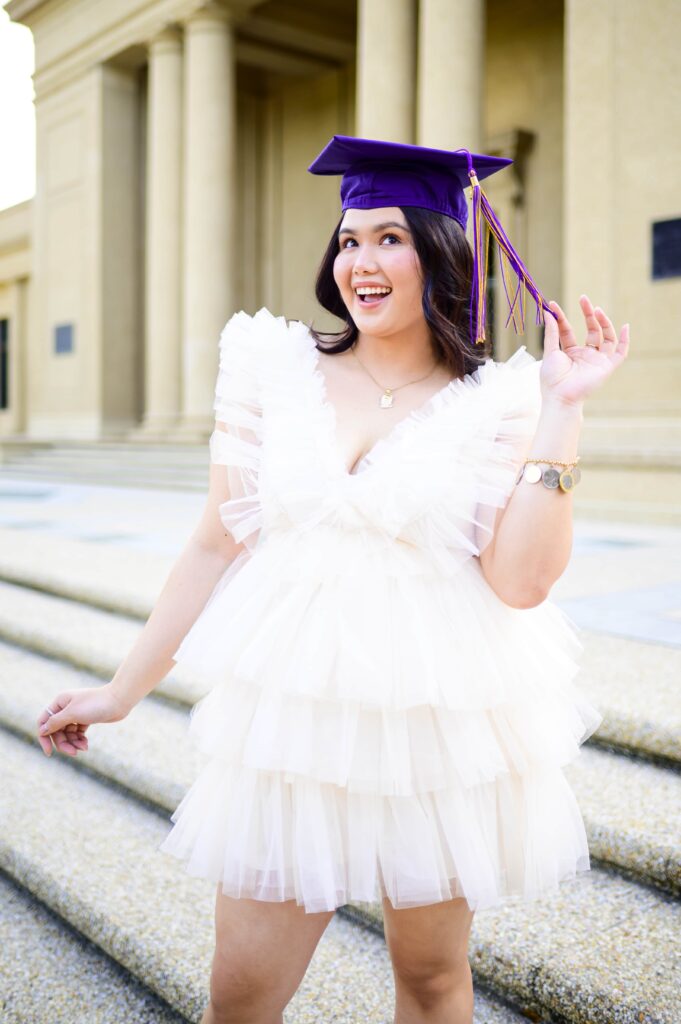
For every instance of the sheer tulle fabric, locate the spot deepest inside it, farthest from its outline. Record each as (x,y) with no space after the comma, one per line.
(377,722)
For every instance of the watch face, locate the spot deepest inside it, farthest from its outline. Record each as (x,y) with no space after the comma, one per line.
(551,478)
(532,472)
(566,480)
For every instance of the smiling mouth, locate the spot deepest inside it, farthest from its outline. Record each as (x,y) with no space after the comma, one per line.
(374,299)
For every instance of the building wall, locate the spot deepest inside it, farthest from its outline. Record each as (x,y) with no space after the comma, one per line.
(580,92)
(88,256)
(623,171)
(307,206)
(16,309)
(524,92)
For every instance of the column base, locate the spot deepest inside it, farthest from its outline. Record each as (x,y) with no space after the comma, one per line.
(153,428)
(195,429)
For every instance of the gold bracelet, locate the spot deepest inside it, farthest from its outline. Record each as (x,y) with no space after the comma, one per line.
(550,477)
(555,462)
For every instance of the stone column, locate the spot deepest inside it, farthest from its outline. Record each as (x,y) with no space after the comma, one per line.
(450,74)
(386,70)
(163,327)
(209,207)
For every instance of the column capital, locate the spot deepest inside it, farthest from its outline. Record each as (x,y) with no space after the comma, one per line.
(517,144)
(212,11)
(168,38)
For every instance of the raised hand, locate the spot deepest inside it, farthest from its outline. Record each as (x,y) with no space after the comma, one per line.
(570,371)
(72,712)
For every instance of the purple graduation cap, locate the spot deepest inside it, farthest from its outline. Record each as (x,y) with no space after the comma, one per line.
(377,173)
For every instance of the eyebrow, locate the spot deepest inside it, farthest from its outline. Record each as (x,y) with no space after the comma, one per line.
(378,227)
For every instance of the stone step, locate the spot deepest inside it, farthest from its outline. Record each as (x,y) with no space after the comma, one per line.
(56,963)
(600,950)
(168,467)
(629,493)
(90,856)
(21,449)
(166,478)
(632,683)
(632,810)
(123,579)
(112,455)
(630,469)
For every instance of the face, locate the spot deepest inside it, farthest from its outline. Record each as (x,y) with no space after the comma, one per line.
(375,248)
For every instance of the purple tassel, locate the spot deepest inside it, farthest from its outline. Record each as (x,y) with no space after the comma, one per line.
(516,303)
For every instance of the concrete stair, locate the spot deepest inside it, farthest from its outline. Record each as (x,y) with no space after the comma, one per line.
(636,480)
(79,837)
(86,849)
(630,469)
(57,963)
(165,465)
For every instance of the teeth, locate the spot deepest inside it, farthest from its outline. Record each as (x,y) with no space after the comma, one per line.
(373,291)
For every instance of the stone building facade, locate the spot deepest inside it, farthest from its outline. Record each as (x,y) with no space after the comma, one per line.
(173,138)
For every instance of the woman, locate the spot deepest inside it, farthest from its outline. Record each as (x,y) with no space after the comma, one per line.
(393,697)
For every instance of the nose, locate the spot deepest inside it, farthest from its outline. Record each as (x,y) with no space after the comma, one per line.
(365,260)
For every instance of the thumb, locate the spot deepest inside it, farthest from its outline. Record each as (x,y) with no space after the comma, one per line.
(551,333)
(55,722)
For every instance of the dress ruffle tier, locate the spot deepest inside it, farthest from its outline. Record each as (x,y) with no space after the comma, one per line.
(377,722)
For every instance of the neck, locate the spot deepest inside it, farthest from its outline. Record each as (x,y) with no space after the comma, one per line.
(400,356)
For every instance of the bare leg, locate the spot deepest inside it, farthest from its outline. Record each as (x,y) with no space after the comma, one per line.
(262,951)
(429,952)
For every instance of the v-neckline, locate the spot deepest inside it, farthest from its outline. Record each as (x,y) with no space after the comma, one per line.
(413,417)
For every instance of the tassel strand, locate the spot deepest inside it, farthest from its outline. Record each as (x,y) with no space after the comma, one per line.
(485,223)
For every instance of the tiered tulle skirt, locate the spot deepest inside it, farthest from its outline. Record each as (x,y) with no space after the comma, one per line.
(374,729)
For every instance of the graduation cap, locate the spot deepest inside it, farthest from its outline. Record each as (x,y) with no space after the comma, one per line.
(377,174)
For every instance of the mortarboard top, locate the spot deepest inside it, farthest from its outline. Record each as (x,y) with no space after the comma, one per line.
(377,174)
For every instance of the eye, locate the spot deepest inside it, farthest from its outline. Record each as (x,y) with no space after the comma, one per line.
(344,244)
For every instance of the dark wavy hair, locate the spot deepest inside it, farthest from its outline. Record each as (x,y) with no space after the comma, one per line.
(446,261)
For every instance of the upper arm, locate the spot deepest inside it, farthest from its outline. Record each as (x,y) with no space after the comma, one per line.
(210,532)
(232,515)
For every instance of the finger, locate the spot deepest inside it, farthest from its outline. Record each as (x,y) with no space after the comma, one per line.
(551,334)
(54,724)
(622,349)
(77,728)
(63,742)
(68,748)
(566,334)
(607,328)
(594,335)
(51,710)
(46,744)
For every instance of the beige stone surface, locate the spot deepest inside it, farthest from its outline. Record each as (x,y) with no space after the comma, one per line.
(172,191)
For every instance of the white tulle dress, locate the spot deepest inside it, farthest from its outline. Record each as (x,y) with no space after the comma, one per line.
(377,722)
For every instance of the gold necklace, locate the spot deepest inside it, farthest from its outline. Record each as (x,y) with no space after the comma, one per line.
(386,400)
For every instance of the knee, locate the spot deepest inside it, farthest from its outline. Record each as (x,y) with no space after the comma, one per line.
(428,984)
(235,992)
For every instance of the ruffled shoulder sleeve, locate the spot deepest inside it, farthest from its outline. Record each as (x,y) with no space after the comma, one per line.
(236,440)
(512,405)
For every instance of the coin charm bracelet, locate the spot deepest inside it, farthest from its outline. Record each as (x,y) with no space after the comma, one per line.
(566,479)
